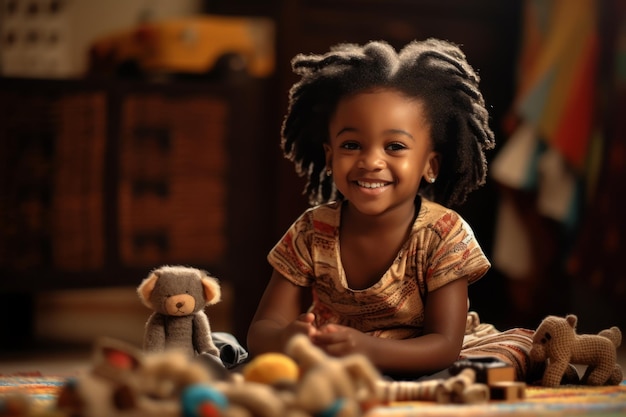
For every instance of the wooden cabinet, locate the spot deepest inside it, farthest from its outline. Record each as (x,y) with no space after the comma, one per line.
(103,181)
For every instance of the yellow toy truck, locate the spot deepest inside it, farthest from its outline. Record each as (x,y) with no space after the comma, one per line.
(194,45)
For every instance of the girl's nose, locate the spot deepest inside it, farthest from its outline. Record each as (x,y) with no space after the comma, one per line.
(371,160)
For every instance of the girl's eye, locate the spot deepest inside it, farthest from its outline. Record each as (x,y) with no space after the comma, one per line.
(396,146)
(350,146)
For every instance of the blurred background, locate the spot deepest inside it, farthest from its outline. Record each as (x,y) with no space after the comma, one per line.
(136,133)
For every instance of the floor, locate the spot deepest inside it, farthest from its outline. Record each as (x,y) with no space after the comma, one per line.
(72,361)
(50,363)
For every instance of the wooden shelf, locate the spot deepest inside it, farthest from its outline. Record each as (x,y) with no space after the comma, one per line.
(101,181)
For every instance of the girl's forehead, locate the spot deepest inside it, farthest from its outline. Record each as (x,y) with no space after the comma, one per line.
(379,102)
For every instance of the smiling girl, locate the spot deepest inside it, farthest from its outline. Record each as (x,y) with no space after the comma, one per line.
(387,141)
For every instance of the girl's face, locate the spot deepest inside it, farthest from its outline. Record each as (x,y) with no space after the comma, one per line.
(379,150)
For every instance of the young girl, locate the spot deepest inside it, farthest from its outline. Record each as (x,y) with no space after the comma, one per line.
(386,140)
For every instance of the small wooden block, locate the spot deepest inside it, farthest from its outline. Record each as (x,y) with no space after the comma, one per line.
(497,374)
(507,391)
(488,370)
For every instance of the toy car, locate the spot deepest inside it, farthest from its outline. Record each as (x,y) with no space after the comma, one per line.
(194,45)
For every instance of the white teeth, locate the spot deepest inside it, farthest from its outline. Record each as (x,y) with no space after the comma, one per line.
(371,184)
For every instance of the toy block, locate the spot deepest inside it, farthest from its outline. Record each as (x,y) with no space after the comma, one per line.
(507,391)
(488,370)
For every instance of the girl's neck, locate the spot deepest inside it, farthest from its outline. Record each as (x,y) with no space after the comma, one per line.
(401,217)
(369,244)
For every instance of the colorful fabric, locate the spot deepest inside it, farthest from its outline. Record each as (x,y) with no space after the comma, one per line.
(597,261)
(41,393)
(554,147)
(38,392)
(554,108)
(440,249)
(557,87)
(566,401)
(511,346)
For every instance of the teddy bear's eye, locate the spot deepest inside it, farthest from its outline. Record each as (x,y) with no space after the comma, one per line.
(546,338)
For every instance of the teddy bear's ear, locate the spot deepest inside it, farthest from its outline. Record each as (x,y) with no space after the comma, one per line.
(212,290)
(572,320)
(145,289)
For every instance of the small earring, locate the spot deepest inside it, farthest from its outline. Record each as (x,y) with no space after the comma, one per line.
(432,180)
(329,172)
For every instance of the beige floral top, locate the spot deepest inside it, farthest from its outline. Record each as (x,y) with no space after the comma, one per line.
(441,248)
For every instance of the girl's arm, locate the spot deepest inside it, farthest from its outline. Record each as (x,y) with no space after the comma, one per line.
(445,317)
(278,317)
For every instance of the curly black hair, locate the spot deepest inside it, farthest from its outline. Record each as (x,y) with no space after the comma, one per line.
(434,71)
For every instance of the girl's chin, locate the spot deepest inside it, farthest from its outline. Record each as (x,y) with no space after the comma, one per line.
(369,208)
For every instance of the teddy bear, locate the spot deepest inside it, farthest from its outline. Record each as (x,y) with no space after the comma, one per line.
(178,295)
(556,342)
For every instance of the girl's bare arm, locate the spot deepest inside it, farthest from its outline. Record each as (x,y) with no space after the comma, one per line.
(278,317)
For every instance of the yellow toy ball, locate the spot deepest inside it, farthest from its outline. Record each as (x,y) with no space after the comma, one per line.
(272,369)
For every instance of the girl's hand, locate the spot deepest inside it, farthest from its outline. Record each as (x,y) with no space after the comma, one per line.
(303,324)
(337,340)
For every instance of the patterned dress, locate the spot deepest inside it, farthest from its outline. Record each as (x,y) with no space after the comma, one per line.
(440,249)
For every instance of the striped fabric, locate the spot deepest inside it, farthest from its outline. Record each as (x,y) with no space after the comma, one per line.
(511,346)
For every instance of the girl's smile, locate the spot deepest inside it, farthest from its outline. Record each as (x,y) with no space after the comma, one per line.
(373,187)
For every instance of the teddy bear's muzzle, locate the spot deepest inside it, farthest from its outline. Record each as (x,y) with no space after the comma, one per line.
(180,305)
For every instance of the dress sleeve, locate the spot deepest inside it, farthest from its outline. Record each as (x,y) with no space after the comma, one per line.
(291,256)
(457,253)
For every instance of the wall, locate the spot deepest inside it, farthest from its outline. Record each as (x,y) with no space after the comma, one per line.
(52,37)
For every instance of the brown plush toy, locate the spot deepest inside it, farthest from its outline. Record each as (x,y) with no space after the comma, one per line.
(330,386)
(124,381)
(556,342)
(178,295)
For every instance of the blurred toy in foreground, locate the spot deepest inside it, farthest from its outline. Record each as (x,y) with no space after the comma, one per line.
(124,381)
(302,382)
(178,295)
(497,375)
(556,342)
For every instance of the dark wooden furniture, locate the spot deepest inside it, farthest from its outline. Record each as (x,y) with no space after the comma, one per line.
(103,181)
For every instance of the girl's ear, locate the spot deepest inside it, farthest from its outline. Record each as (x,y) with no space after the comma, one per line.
(431,169)
(328,151)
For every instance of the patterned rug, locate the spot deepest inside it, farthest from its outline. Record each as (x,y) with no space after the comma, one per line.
(539,401)
(40,391)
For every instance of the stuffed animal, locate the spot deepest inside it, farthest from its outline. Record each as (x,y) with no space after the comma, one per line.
(125,381)
(556,342)
(276,369)
(329,386)
(178,295)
